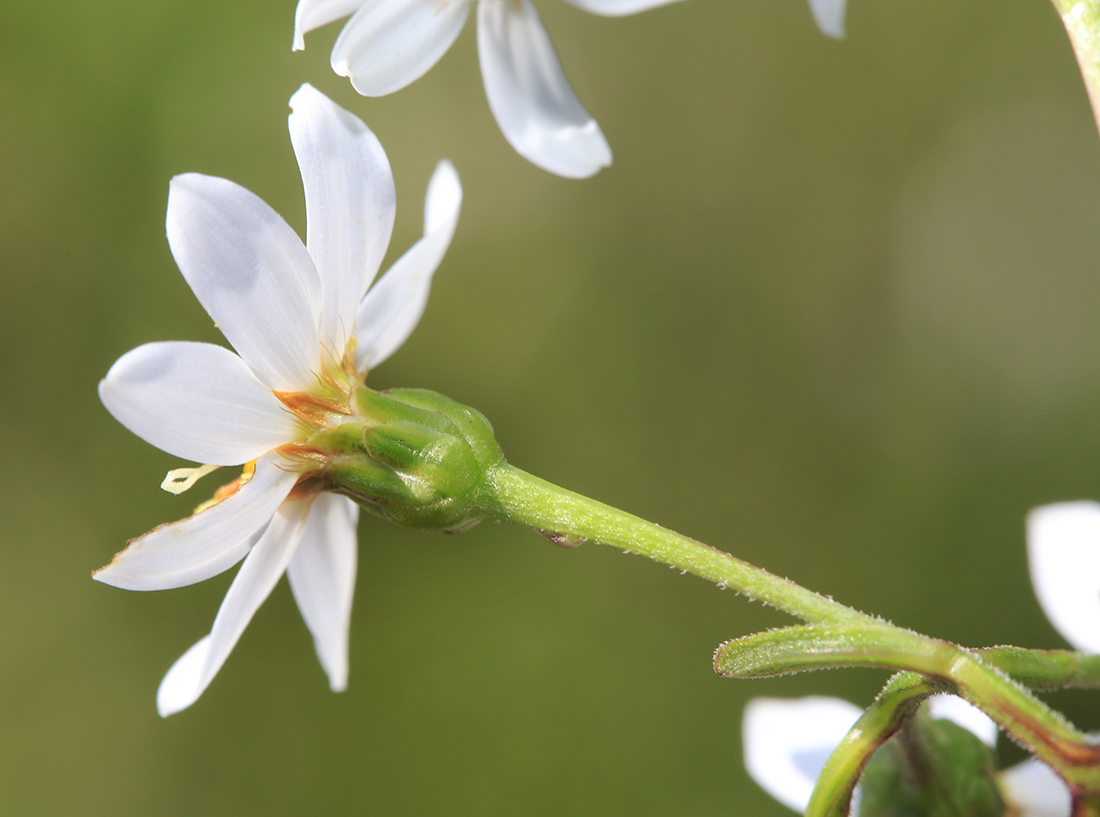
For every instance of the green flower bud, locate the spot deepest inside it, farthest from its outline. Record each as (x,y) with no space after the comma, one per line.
(411,456)
(931,768)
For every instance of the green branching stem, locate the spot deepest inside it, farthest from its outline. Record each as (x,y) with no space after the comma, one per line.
(568,517)
(897,701)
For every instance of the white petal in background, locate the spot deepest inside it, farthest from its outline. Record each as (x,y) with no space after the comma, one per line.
(1063,546)
(829,16)
(529,95)
(787,742)
(966,715)
(252,274)
(322,577)
(618,8)
(389,43)
(262,568)
(196,401)
(205,544)
(393,306)
(1035,790)
(350,205)
(312,14)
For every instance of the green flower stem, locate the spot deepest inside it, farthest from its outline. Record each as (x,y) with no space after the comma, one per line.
(1082,22)
(556,512)
(897,701)
(1045,669)
(568,517)
(420,459)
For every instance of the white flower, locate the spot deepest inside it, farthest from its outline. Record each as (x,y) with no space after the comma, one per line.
(389,43)
(829,16)
(1063,547)
(297,316)
(788,741)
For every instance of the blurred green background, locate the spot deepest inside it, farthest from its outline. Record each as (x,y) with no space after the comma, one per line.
(834,308)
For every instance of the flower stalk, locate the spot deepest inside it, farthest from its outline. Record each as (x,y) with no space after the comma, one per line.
(428,462)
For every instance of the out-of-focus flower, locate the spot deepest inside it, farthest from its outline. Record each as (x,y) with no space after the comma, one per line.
(305,329)
(788,741)
(829,16)
(1063,548)
(389,43)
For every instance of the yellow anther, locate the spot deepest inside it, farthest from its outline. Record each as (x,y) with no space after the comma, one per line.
(181,479)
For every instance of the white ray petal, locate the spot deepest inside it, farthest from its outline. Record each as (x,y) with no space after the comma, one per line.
(196,401)
(966,715)
(393,306)
(389,43)
(312,14)
(788,741)
(350,205)
(530,97)
(1034,789)
(829,16)
(1063,545)
(262,568)
(251,273)
(322,577)
(205,544)
(618,8)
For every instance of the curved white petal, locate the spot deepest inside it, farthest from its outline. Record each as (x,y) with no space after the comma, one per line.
(389,43)
(322,577)
(205,544)
(1063,545)
(966,715)
(829,16)
(393,306)
(251,273)
(788,741)
(180,681)
(529,95)
(197,401)
(618,8)
(312,14)
(1034,789)
(350,204)
(262,568)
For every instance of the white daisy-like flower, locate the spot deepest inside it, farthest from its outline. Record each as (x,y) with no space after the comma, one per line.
(788,741)
(1063,548)
(305,328)
(389,43)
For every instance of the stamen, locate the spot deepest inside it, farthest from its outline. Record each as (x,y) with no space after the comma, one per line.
(181,479)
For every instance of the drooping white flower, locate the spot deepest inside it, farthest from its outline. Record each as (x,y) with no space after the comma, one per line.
(1063,547)
(788,741)
(304,325)
(389,43)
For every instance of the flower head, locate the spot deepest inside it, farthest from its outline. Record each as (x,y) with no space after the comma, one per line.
(389,43)
(788,741)
(306,325)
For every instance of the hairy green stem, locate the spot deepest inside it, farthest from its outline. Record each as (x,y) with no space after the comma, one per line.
(565,517)
(897,701)
(557,512)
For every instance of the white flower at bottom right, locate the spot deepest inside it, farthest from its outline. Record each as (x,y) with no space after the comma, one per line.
(788,741)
